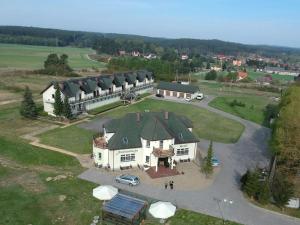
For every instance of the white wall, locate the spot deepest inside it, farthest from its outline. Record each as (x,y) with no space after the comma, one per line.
(192,151)
(48,100)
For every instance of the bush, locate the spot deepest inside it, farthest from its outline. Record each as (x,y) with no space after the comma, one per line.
(237,103)
(264,193)
(211,75)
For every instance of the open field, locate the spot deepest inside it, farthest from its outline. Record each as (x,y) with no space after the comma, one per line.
(15,56)
(220,89)
(254,109)
(255,74)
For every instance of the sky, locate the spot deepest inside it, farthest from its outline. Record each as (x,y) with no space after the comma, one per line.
(271,22)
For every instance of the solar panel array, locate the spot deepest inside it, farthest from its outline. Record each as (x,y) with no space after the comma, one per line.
(124,205)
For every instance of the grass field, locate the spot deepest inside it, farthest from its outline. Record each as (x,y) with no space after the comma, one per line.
(254,106)
(33,57)
(255,74)
(72,138)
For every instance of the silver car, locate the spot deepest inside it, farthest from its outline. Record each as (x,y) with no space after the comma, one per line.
(131,180)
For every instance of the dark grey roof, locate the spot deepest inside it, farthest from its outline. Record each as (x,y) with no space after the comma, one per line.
(89,84)
(152,126)
(177,87)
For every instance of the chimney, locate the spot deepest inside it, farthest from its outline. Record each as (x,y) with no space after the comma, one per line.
(138,117)
(166,115)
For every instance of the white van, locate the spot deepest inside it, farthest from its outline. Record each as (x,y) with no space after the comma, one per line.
(200,96)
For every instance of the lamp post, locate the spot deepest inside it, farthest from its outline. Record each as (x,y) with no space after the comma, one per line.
(219,201)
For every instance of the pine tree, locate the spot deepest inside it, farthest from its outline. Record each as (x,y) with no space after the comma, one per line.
(58,104)
(28,108)
(207,167)
(67,109)
(252,184)
(264,193)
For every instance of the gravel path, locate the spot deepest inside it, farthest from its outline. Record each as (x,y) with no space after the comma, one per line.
(249,151)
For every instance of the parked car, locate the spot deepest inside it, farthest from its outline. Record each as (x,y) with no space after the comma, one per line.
(188,99)
(159,95)
(215,162)
(200,96)
(131,180)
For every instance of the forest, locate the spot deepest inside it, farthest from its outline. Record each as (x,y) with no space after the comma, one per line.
(111,43)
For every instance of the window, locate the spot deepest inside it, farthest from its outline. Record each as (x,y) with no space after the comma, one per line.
(53,96)
(148,144)
(182,151)
(99,156)
(161,144)
(128,157)
(147,159)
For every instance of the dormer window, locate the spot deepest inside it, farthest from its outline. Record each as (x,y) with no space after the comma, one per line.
(180,136)
(125,140)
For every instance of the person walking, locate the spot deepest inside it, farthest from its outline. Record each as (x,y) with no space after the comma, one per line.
(166,185)
(171,184)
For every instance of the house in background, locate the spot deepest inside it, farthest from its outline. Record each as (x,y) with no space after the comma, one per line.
(149,139)
(88,93)
(177,90)
(184,57)
(237,62)
(241,75)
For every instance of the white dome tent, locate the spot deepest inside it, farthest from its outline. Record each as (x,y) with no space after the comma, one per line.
(162,210)
(105,192)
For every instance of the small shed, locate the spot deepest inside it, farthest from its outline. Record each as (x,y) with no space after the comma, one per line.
(124,209)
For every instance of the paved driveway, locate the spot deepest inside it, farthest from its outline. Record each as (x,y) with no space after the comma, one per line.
(249,151)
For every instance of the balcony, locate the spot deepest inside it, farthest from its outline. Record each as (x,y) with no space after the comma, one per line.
(110,95)
(162,153)
(100,142)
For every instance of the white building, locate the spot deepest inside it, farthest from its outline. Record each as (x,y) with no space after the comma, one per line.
(88,93)
(149,139)
(178,90)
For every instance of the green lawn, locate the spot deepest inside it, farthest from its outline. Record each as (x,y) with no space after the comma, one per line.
(72,138)
(25,154)
(187,217)
(207,125)
(33,57)
(255,74)
(253,110)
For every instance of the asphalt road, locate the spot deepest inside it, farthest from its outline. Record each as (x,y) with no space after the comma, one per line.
(223,198)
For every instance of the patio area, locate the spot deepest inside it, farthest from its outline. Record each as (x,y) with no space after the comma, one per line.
(187,177)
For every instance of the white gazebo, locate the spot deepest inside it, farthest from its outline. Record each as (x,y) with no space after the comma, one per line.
(105,192)
(162,210)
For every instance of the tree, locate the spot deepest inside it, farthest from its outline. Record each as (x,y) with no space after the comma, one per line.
(67,109)
(232,76)
(207,167)
(28,108)
(208,66)
(211,75)
(251,185)
(264,193)
(282,189)
(224,66)
(58,104)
